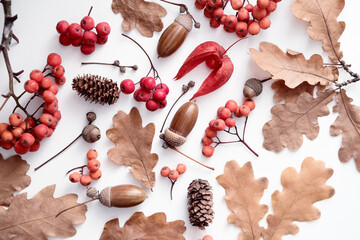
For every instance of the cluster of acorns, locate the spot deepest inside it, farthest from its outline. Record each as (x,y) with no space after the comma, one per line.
(80,35)
(225,120)
(25,134)
(154,95)
(93,166)
(249,19)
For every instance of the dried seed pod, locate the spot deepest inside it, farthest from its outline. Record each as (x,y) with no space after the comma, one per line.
(91,133)
(253,87)
(91,116)
(174,35)
(120,196)
(182,124)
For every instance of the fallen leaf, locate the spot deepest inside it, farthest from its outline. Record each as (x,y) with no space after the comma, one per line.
(292,67)
(140,14)
(290,95)
(295,202)
(12,178)
(322,15)
(243,195)
(144,228)
(133,146)
(292,120)
(35,218)
(347,124)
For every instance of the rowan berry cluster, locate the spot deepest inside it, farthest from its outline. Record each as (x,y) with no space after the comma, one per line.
(25,134)
(80,35)
(173,175)
(249,19)
(225,122)
(93,166)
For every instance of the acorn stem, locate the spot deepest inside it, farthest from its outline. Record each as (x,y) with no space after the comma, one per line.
(266,79)
(177,150)
(78,205)
(37,168)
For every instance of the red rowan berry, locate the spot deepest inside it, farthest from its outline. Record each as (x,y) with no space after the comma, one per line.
(103,29)
(89,38)
(51,107)
(219,125)
(207,237)
(58,71)
(50,132)
(36,75)
(209,8)
(34,147)
(210,132)
(230,122)
(174,175)
(243,14)
(3,127)
(241,28)
(163,103)
(148,83)
(142,95)
(75,30)
(208,151)
(75,177)
(57,115)
(31,86)
(152,105)
(223,19)
(271,7)
(199,5)
(231,21)
(250,103)
(6,136)
(206,141)
(244,110)
(65,39)
(165,171)
(54,123)
(236,4)
(214,3)
(6,145)
(53,59)
(263,3)
(85,180)
(254,28)
(87,23)
(101,39)
(41,131)
(202,1)
(53,88)
(17,132)
(30,122)
(20,149)
(211,124)
(87,49)
(46,119)
(93,165)
(218,13)
(249,7)
(76,42)
(181,168)
(27,139)
(96,175)
(229,29)
(258,13)
(45,83)
(91,154)
(15,119)
(224,112)
(214,22)
(62,27)
(127,86)
(264,23)
(61,80)
(164,87)
(159,95)
(48,96)
(231,105)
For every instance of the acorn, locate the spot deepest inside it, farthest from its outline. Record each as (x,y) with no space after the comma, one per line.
(174,35)
(120,196)
(182,124)
(253,87)
(91,133)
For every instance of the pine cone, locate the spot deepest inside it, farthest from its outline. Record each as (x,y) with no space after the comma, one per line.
(96,89)
(200,203)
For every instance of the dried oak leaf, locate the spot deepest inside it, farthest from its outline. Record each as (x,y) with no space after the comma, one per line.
(292,67)
(35,218)
(322,14)
(133,146)
(295,202)
(144,228)
(12,178)
(292,120)
(290,95)
(243,195)
(143,15)
(347,124)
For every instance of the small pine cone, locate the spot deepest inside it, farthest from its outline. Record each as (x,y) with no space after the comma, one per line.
(200,202)
(96,89)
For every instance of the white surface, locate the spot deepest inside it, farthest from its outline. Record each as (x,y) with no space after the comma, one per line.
(35,28)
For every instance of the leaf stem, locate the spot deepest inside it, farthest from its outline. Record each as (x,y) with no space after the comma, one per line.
(78,205)
(177,150)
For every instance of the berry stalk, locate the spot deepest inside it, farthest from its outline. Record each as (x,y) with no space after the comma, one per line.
(177,150)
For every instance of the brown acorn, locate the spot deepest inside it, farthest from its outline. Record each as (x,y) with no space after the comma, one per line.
(91,133)
(174,35)
(182,124)
(253,87)
(120,196)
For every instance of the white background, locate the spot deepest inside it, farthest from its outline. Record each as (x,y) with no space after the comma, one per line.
(35,28)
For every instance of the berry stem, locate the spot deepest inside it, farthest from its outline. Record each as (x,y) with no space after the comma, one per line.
(232,45)
(152,68)
(78,205)
(81,167)
(37,168)
(177,150)
(183,7)
(266,79)
(246,119)
(172,187)
(91,8)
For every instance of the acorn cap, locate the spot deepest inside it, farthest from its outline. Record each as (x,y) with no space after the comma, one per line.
(174,139)
(253,87)
(185,20)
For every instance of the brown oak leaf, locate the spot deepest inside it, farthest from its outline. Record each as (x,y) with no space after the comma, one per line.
(35,218)
(290,95)
(347,124)
(292,67)
(292,120)
(144,228)
(243,195)
(322,15)
(133,146)
(143,15)
(12,178)
(295,202)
